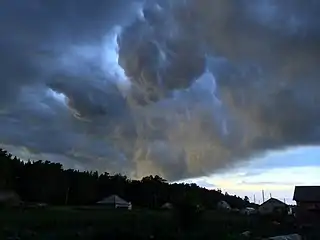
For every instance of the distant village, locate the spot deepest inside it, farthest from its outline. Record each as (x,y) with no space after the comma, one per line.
(306,210)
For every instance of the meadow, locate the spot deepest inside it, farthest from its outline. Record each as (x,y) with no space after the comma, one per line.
(72,223)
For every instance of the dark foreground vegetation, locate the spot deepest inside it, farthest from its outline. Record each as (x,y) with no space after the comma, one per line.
(69,223)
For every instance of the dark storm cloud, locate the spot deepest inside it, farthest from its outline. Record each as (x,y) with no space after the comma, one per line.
(177,88)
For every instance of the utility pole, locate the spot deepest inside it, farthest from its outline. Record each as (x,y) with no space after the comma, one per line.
(254,198)
(263,196)
(270,195)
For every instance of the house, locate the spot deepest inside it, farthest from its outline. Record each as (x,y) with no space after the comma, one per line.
(223,205)
(115,201)
(167,206)
(9,198)
(248,211)
(308,204)
(273,206)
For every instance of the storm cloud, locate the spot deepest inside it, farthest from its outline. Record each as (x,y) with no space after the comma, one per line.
(176,88)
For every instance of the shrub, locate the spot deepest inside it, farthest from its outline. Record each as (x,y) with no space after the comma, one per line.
(188,215)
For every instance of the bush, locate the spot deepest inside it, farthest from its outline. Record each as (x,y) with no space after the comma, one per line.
(188,215)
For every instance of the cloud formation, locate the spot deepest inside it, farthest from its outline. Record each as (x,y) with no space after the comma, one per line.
(154,87)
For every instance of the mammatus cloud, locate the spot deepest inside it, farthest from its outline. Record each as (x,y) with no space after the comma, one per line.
(154,87)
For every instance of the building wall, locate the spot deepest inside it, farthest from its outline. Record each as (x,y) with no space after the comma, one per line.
(308,212)
(271,207)
(308,205)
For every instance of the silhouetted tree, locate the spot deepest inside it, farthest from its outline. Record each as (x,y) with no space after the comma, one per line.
(44,181)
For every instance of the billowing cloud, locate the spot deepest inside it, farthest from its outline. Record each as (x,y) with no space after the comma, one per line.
(176,88)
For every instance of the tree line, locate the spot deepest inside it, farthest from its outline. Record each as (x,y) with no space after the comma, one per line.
(47,182)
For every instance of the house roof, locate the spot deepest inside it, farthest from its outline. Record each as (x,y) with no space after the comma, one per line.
(113,199)
(307,194)
(273,200)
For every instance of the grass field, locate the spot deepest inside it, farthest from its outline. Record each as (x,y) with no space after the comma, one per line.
(70,223)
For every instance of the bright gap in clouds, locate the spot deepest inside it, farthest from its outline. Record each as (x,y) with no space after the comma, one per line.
(110,60)
(59,97)
(277,173)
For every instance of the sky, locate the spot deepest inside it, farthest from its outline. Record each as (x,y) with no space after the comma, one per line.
(184,89)
(276,173)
